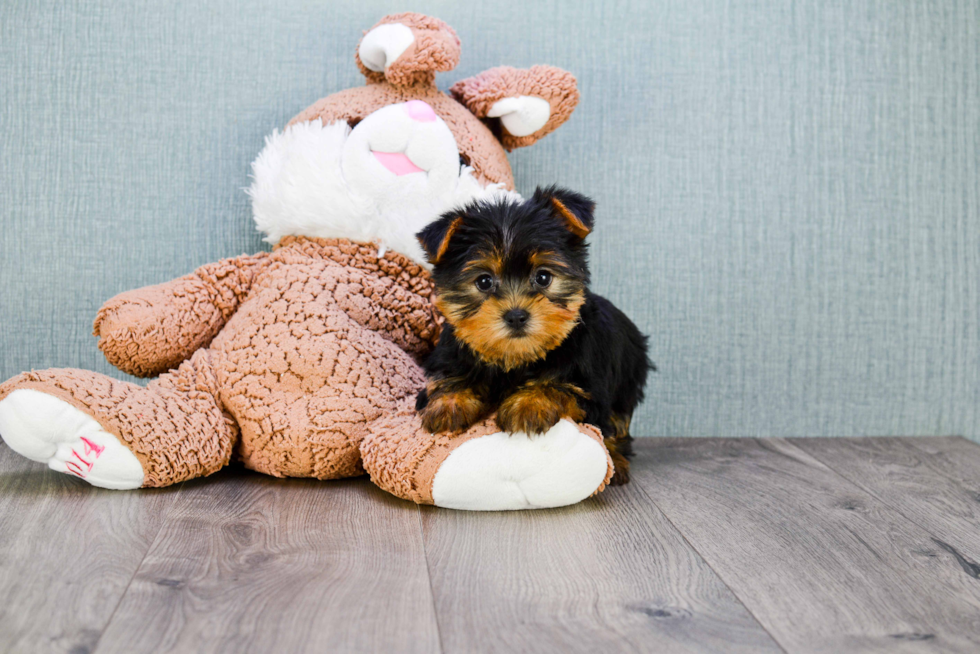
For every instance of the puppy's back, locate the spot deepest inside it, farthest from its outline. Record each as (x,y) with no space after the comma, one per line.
(623,347)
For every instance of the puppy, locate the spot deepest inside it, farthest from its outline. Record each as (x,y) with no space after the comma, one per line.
(524,335)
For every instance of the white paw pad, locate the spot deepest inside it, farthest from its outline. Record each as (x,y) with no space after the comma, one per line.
(523,115)
(43,428)
(502,472)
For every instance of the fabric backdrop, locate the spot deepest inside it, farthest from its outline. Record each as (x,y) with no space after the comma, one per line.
(788,194)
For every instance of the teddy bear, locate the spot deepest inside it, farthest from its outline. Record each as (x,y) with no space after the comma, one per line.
(304,361)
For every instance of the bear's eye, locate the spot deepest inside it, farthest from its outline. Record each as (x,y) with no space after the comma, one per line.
(542,279)
(484,283)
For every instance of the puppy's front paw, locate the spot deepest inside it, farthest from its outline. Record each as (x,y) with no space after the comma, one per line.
(536,409)
(451,412)
(530,420)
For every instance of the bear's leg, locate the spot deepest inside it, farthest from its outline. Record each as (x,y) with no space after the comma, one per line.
(46,429)
(119,435)
(485,469)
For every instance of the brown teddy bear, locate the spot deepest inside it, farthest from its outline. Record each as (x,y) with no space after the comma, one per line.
(303,361)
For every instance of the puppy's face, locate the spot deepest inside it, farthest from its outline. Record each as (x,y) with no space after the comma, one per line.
(511,278)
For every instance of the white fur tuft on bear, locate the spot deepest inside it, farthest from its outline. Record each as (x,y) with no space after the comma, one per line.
(383,181)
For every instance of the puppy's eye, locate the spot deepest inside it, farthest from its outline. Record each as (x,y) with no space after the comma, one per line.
(542,279)
(484,283)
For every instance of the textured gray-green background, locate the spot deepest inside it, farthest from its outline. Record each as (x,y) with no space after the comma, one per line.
(788,191)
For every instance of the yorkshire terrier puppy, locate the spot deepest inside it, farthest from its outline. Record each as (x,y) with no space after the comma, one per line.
(524,335)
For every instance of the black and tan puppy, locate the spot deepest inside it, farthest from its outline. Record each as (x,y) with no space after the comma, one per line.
(524,335)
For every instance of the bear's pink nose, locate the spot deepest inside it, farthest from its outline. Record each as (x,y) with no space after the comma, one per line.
(420,111)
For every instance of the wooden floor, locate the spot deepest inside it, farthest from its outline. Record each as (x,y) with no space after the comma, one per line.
(718,545)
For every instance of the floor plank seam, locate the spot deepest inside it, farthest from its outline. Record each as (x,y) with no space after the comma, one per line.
(428,574)
(153,541)
(694,549)
(862,488)
(897,509)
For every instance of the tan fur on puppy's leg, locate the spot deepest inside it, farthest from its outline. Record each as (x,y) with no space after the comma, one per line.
(621,435)
(621,465)
(535,407)
(450,408)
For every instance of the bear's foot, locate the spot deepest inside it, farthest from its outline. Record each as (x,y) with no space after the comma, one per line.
(502,471)
(46,429)
(485,469)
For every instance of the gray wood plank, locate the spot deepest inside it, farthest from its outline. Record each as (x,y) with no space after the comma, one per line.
(935,482)
(67,553)
(822,564)
(607,575)
(249,563)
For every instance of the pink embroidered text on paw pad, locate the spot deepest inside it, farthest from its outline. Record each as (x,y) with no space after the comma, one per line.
(46,429)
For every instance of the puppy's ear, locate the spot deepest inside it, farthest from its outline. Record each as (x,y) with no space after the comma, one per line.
(573,209)
(435,237)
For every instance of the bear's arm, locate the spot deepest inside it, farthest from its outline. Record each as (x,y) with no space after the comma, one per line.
(150,330)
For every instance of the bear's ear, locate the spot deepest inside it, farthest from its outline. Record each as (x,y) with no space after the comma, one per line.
(526,105)
(407,49)
(436,236)
(575,211)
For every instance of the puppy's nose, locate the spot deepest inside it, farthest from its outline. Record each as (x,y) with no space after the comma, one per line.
(516,318)
(420,111)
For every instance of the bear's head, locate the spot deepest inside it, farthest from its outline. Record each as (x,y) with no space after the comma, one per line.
(379,162)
